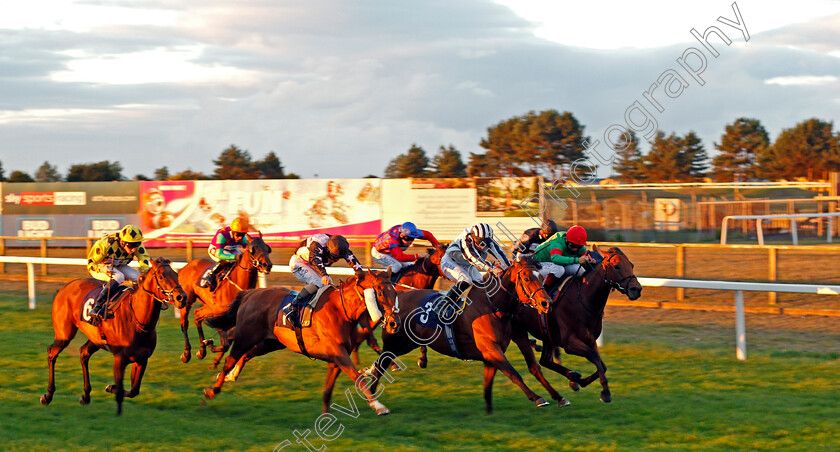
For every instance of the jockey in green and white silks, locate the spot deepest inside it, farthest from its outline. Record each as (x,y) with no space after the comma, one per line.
(562,254)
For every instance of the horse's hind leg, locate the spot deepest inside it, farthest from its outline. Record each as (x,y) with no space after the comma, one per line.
(84,356)
(237,351)
(590,352)
(494,356)
(52,354)
(489,374)
(423,361)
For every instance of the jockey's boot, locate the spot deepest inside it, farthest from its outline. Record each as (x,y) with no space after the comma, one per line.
(100,312)
(210,280)
(291,311)
(395,276)
(550,281)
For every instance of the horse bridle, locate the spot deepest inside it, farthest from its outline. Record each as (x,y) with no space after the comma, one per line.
(166,293)
(519,283)
(255,263)
(613,284)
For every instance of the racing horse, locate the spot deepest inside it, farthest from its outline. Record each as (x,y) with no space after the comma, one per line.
(243,275)
(576,320)
(331,336)
(130,335)
(422,274)
(480,331)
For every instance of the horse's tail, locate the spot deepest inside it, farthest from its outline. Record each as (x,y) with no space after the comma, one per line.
(227,320)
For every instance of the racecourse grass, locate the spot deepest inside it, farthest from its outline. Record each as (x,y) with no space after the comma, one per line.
(673,389)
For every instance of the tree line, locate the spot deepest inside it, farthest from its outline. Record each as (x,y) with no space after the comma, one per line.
(232,163)
(546,144)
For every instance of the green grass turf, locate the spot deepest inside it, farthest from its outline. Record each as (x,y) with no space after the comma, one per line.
(667,395)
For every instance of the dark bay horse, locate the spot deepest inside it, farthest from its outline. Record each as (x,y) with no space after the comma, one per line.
(576,319)
(254,258)
(482,331)
(422,274)
(130,335)
(331,337)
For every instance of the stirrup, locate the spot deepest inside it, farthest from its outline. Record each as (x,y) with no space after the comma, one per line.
(291,314)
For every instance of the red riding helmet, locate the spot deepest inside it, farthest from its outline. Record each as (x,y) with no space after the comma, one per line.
(577,235)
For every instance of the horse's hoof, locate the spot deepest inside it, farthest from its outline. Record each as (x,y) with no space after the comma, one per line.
(575,387)
(84,400)
(185,357)
(422,363)
(208,342)
(209,393)
(201,353)
(541,402)
(45,399)
(606,398)
(109,388)
(382,411)
(395,367)
(563,402)
(574,376)
(218,349)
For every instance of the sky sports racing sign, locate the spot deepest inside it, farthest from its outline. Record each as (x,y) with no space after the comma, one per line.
(43,198)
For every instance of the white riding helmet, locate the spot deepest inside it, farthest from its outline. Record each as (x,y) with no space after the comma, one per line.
(482,231)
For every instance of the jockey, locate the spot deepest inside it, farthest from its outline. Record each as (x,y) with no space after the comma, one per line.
(533,237)
(309,262)
(562,254)
(466,256)
(224,248)
(389,248)
(108,261)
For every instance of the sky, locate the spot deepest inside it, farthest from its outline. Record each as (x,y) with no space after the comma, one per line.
(337,89)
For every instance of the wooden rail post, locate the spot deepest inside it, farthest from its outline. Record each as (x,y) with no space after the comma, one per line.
(680,271)
(2,253)
(772,272)
(368,258)
(43,254)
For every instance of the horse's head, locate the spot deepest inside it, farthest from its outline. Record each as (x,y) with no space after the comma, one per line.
(435,256)
(162,282)
(384,293)
(525,276)
(618,272)
(258,251)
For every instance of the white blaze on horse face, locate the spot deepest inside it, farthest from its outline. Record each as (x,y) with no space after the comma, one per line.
(535,274)
(370,302)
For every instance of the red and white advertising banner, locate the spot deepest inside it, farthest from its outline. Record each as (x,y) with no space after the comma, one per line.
(284,210)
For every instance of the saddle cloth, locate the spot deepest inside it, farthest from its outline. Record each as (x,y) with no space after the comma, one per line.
(91,297)
(439,310)
(305,307)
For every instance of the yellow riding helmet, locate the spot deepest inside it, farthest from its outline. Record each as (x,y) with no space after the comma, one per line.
(131,234)
(239,224)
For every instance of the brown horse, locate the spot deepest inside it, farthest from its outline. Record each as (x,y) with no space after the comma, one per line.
(130,335)
(576,320)
(422,274)
(481,331)
(331,337)
(243,275)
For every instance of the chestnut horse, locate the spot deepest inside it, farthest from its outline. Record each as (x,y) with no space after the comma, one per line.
(243,275)
(130,335)
(331,337)
(576,320)
(482,331)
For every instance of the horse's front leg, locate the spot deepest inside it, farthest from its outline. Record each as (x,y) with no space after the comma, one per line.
(117,388)
(497,359)
(52,354)
(136,377)
(84,356)
(590,352)
(185,326)
(332,375)
(525,346)
(343,361)
(547,361)
(202,350)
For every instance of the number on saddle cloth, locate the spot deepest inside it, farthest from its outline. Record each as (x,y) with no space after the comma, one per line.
(90,299)
(438,310)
